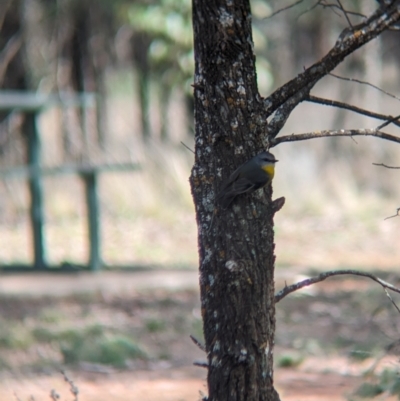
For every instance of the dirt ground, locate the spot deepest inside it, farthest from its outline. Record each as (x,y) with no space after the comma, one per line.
(176,385)
(329,340)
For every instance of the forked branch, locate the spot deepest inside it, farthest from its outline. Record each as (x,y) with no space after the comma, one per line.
(323,276)
(386,166)
(349,41)
(332,133)
(283,112)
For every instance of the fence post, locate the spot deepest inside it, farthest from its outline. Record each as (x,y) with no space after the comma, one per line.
(35,189)
(92,203)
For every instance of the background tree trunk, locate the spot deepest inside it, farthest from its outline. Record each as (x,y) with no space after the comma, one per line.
(236,246)
(140,48)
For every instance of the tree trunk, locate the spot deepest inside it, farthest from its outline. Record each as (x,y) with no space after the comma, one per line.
(140,48)
(164,96)
(236,246)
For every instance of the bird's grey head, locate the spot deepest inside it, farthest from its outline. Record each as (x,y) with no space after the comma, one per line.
(266,157)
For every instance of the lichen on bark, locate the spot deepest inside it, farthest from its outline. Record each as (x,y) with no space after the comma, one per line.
(236,246)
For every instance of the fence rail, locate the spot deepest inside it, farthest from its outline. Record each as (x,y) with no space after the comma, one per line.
(32,104)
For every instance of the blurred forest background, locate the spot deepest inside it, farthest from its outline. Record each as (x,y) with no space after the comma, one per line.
(137,58)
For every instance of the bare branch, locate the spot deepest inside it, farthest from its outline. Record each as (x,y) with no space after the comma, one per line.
(315,5)
(395,215)
(384,165)
(187,147)
(282,114)
(332,133)
(332,7)
(347,43)
(198,343)
(284,9)
(391,300)
(202,364)
(277,204)
(355,13)
(345,14)
(389,121)
(360,81)
(355,109)
(323,276)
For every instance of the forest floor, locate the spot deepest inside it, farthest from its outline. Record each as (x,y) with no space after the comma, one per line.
(125,336)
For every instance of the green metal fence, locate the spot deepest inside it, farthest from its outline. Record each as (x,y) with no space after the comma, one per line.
(32,105)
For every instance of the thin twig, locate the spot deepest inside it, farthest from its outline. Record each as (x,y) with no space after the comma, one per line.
(284,9)
(309,9)
(187,147)
(332,133)
(355,109)
(355,13)
(389,121)
(386,166)
(391,300)
(198,343)
(359,81)
(202,364)
(332,7)
(345,13)
(323,276)
(346,44)
(395,215)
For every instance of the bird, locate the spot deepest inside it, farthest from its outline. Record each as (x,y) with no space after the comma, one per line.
(247,178)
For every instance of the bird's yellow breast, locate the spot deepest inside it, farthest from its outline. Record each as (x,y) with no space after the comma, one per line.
(270,170)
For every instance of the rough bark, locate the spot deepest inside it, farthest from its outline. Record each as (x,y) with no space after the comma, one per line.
(236,246)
